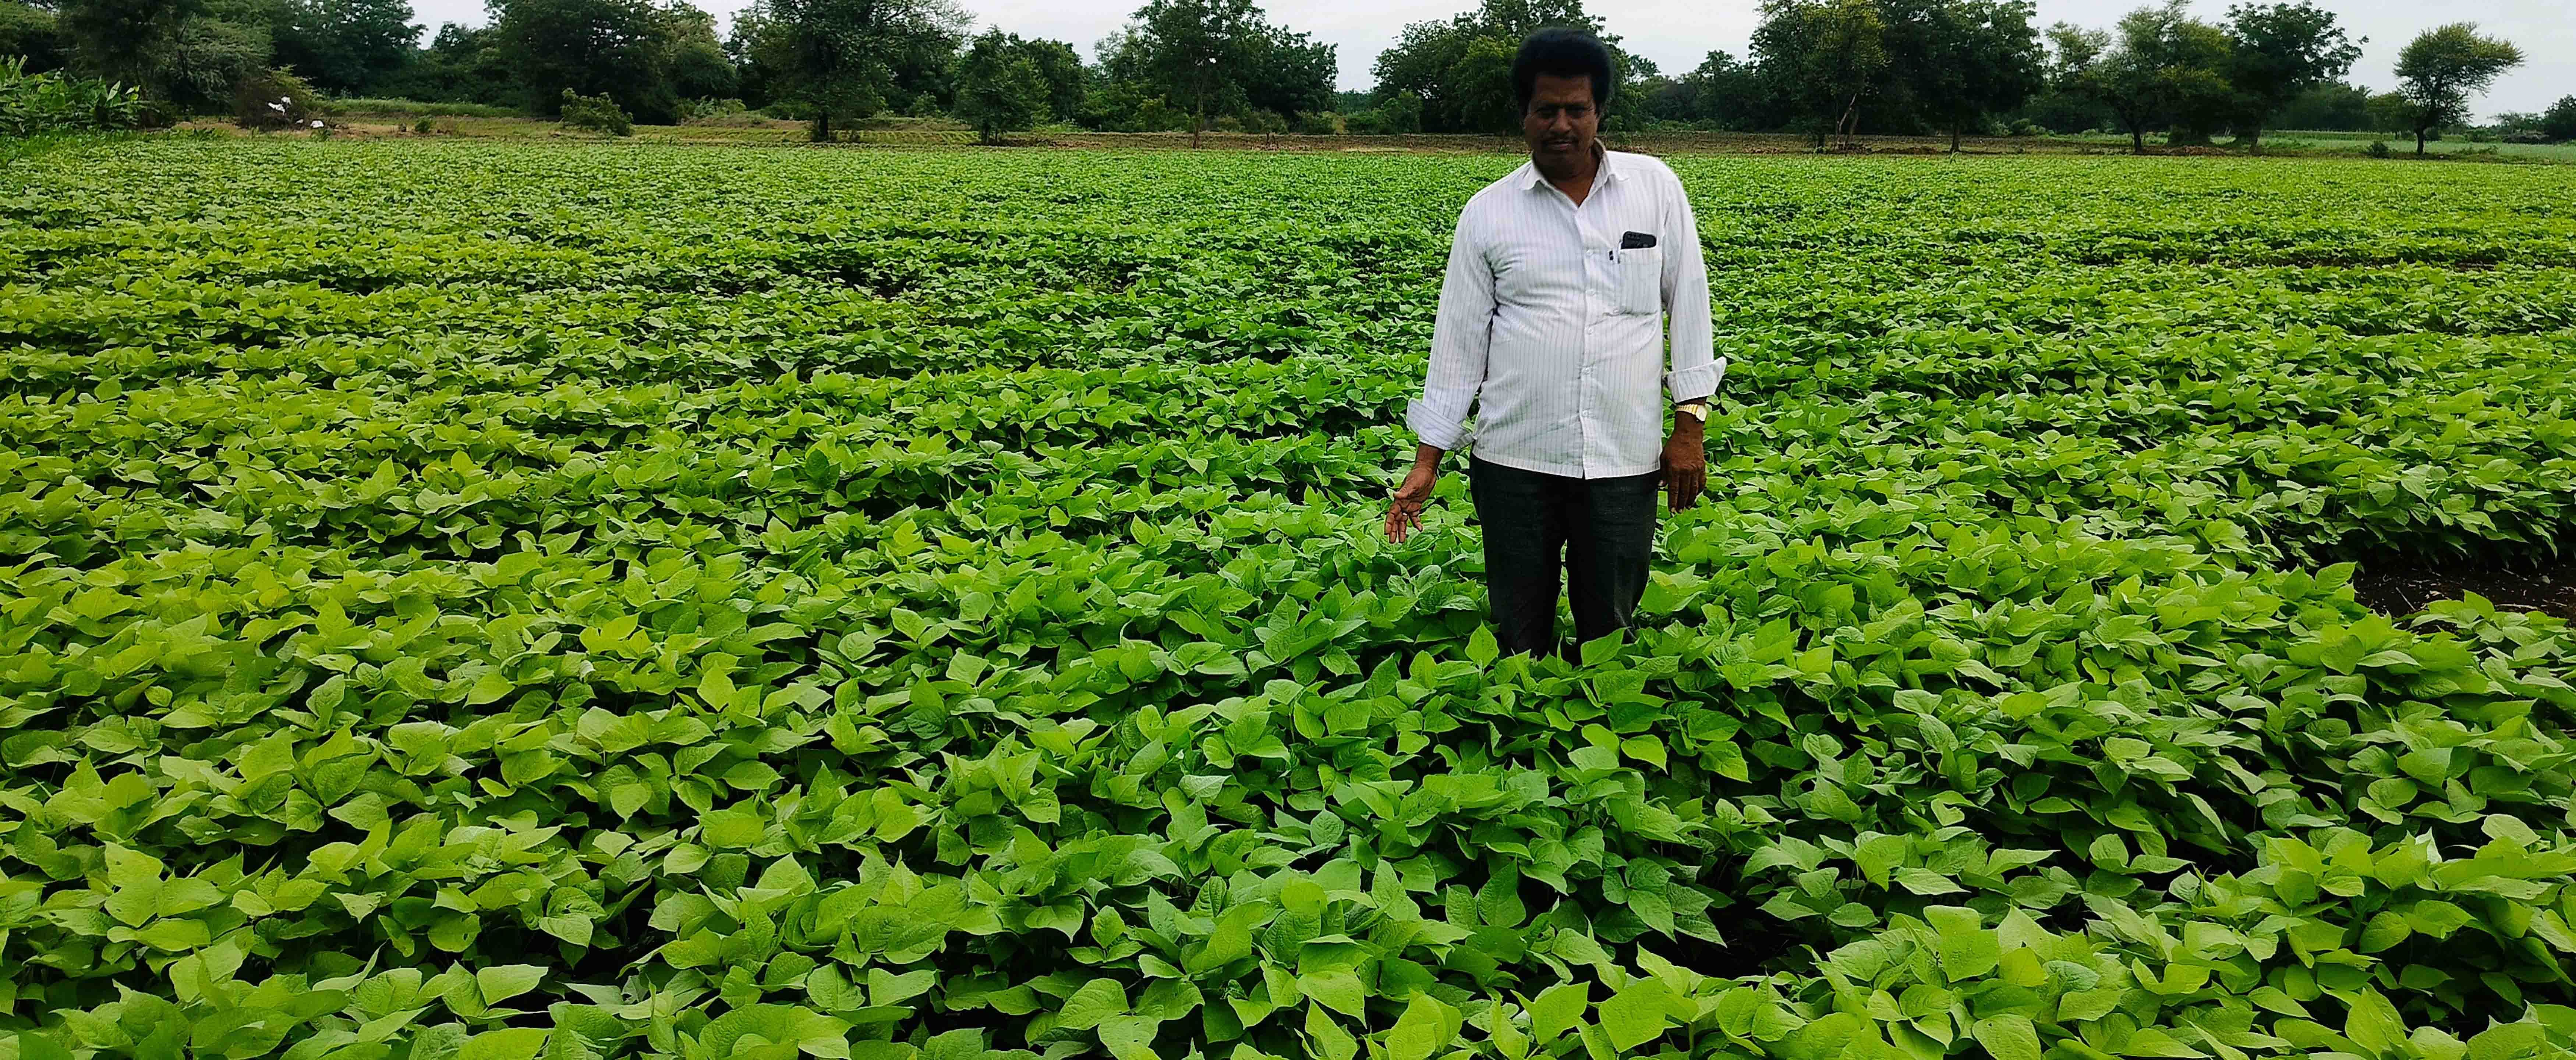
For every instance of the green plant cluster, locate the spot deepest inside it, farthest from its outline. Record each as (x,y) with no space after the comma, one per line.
(730,603)
(596,113)
(52,102)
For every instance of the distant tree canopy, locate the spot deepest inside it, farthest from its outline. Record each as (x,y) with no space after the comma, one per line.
(1458,72)
(1824,67)
(350,47)
(1193,63)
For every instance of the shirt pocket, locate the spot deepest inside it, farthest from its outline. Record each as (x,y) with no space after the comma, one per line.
(1641,280)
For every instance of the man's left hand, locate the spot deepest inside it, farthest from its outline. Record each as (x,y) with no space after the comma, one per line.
(1685,464)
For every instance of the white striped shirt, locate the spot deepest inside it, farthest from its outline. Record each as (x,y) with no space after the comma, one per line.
(1560,332)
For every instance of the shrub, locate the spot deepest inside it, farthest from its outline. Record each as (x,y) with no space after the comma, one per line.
(596,113)
(2379,149)
(52,102)
(2027,127)
(275,99)
(714,112)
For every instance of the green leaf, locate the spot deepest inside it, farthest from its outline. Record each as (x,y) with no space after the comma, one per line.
(1556,1010)
(1635,1015)
(2008,1037)
(1098,1000)
(1426,1027)
(1341,991)
(500,983)
(2373,1023)
(1968,948)
(1129,1037)
(1498,903)
(1331,1041)
(509,1043)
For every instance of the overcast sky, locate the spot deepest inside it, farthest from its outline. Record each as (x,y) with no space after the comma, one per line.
(1676,34)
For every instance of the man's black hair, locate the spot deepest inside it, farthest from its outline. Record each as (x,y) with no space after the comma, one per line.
(1563,53)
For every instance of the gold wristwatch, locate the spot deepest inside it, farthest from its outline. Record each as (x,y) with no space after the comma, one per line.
(1698,410)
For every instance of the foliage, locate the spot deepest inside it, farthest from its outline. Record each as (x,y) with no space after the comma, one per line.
(32,33)
(2278,52)
(843,60)
(1459,71)
(626,50)
(2162,70)
(346,47)
(1826,55)
(595,113)
(1965,62)
(2441,70)
(185,55)
(2335,107)
(33,104)
(1195,53)
(914,611)
(276,99)
(999,89)
(2559,121)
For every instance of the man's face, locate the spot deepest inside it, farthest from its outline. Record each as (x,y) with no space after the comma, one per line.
(1560,121)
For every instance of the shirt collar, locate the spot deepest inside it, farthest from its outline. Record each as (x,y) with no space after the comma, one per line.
(1609,169)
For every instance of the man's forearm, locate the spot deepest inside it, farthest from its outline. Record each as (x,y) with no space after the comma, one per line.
(1427,455)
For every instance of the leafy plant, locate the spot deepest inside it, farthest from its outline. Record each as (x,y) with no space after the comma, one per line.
(596,113)
(50,102)
(948,619)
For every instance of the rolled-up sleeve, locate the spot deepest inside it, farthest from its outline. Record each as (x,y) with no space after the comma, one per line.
(1696,368)
(1461,336)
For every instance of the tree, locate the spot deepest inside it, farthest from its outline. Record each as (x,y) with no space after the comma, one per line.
(32,32)
(1196,52)
(845,59)
(2443,69)
(2335,106)
(621,49)
(999,88)
(184,54)
(462,64)
(1826,55)
(1451,69)
(1289,74)
(2391,112)
(2559,121)
(1727,93)
(2279,51)
(1059,67)
(2162,69)
(1985,60)
(345,46)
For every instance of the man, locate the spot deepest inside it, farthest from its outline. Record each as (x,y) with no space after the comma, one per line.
(1552,321)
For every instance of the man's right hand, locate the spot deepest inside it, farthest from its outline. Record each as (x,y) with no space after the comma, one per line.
(1404,510)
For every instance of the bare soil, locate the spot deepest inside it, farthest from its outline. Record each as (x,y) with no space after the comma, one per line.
(2396,588)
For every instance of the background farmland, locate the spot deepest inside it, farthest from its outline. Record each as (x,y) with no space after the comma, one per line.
(483,600)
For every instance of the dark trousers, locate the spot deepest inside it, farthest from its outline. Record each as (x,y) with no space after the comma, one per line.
(1600,531)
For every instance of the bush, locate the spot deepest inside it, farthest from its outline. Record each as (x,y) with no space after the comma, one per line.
(2027,127)
(1321,123)
(51,102)
(715,112)
(2379,149)
(271,100)
(596,113)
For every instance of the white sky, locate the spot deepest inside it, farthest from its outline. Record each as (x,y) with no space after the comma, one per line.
(1676,34)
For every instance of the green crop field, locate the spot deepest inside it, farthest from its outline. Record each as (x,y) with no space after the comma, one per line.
(475,601)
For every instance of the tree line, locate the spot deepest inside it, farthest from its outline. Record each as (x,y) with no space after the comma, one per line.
(1829,68)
